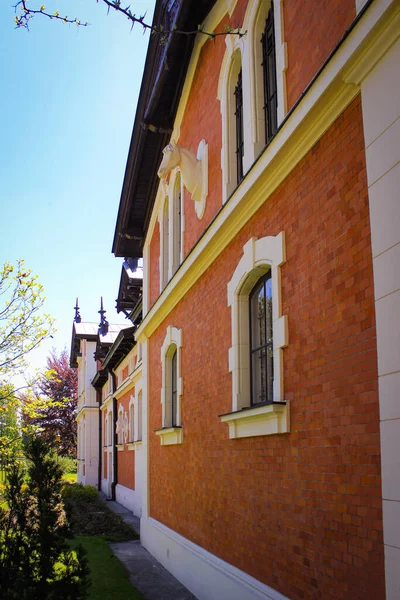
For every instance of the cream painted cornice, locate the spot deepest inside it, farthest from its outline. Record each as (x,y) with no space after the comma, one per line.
(129,382)
(106,402)
(84,410)
(325,100)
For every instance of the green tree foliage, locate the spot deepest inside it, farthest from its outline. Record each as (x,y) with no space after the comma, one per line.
(55,397)
(10,437)
(22,325)
(35,559)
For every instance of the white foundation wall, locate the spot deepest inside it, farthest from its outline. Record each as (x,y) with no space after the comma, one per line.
(139,470)
(204,574)
(380,93)
(128,498)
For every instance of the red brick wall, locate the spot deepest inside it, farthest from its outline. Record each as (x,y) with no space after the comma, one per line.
(301,511)
(312,30)
(126,458)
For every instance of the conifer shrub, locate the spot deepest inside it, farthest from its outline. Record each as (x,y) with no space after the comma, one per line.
(35,558)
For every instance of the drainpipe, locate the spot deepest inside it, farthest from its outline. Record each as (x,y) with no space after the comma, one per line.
(101,456)
(115,449)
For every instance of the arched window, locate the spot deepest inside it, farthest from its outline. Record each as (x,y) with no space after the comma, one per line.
(177,223)
(259,333)
(165,244)
(270,107)
(171,382)
(238,93)
(231,94)
(139,417)
(174,388)
(171,391)
(261,341)
(131,422)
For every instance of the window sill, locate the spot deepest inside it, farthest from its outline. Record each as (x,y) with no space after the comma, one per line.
(268,419)
(170,435)
(120,447)
(130,445)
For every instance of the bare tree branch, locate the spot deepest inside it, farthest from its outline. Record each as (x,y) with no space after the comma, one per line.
(24,15)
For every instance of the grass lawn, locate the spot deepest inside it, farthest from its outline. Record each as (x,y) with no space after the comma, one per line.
(110,580)
(94,525)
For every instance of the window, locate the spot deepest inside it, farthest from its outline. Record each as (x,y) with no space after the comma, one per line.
(259,334)
(232,95)
(177,224)
(174,387)
(269,76)
(239,127)
(171,222)
(165,245)
(261,346)
(132,419)
(171,391)
(139,417)
(110,428)
(261,57)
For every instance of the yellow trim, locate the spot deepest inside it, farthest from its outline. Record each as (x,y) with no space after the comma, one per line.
(327,98)
(170,436)
(270,419)
(129,382)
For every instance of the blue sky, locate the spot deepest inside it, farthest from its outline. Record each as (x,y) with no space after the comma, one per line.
(66,114)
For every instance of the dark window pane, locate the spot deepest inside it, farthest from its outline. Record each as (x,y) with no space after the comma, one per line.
(174,388)
(239,128)
(261,342)
(269,71)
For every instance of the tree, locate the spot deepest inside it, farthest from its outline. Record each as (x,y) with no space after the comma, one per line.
(35,560)
(10,437)
(22,325)
(55,399)
(24,15)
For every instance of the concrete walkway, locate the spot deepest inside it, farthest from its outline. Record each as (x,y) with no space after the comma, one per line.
(145,573)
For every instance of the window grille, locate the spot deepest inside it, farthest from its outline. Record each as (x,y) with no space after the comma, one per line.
(269,71)
(174,388)
(261,341)
(239,127)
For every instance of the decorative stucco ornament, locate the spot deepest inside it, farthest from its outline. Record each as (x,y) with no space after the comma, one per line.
(194,171)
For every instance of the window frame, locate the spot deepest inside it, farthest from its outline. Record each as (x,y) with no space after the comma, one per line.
(171,431)
(268,345)
(259,257)
(270,87)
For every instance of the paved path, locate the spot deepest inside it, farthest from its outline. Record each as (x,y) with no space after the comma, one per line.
(145,572)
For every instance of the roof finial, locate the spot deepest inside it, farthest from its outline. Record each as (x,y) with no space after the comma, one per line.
(103,326)
(77,317)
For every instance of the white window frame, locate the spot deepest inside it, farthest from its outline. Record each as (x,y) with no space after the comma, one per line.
(168,434)
(176,242)
(231,65)
(138,415)
(249,47)
(132,419)
(170,257)
(164,243)
(259,256)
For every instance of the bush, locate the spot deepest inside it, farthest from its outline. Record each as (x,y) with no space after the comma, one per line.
(35,559)
(66,464)
(77,490)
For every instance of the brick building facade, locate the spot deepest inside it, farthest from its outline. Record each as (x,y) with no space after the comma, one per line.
(270,338)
